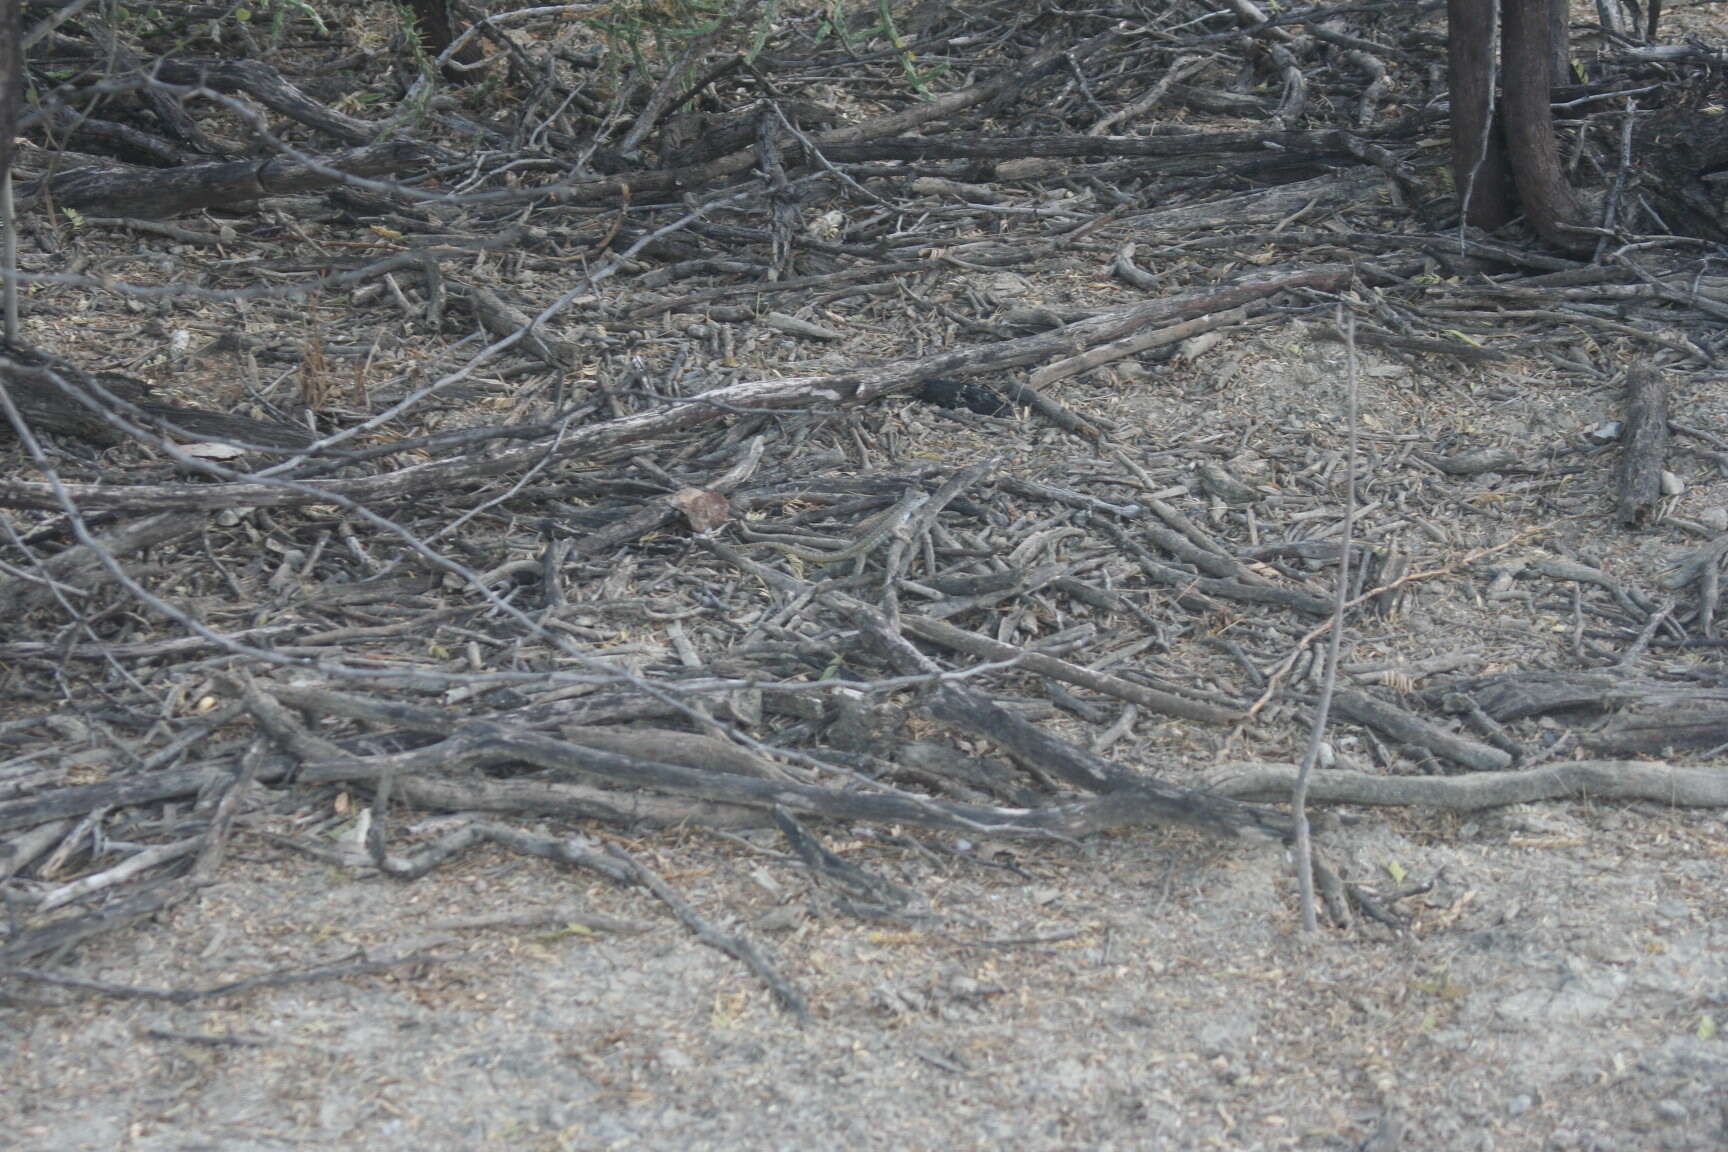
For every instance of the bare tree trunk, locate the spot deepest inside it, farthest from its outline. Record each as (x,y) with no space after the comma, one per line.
(1529,118)
(437,31)
(11,75)
(11,85)
(1560,39)
(1478,149)
(1613,18)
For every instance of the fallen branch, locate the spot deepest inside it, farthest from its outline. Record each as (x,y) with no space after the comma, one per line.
(735,946)
(335,970)
(1570,780)
(152,193)
(1646,445)
(1405,726)
(1163,703)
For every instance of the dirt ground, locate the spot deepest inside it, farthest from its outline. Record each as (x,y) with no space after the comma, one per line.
(1146,991)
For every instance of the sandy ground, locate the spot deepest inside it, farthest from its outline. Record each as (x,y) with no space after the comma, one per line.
(1150,991)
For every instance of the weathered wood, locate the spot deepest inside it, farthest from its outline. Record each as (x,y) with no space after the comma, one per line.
(1657,723)
(156,193)
(1124,794)
(1412,729)
(80,566)
(1585,780)
(701,137)
(477,746)
(1319,145)
(121,792)
(1162,703)
(116,56)
(1644,446)
(266,85)
(57,397)
(1517,695)
(544,800)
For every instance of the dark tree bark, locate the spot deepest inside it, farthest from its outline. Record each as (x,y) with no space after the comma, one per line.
(1479,171)
(154,193)
(47,394)
(1535,156)
(11,76)
(266,85)
(438,31)
(1678,146)
(11,89)
(1494,153)
(1646,446)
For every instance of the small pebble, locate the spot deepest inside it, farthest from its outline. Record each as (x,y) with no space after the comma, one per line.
(1671,1110)
(1606,433)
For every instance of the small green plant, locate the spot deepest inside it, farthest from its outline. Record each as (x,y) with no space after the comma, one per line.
(655,34)
(918,77)
(418,99)
(155,21)
(834,24)
(280,12)
(764,26)
(661,23)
